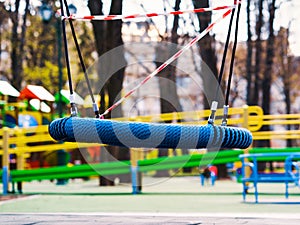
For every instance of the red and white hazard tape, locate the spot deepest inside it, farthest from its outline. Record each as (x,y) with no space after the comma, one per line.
(169,61)
(147,15)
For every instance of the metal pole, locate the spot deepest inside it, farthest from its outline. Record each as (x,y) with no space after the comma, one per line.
(5,161)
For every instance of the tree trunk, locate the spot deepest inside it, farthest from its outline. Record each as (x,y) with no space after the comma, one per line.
(257,66)
(3,17)
(267,78)
(108,36)
(18,44)
(258,55)
(169,100)
(285,61)
(287,88)
(249,64)
(99,28)
(16,81)
(209,71)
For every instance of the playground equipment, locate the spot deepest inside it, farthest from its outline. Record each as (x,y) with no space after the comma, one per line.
(291,172)
(211,135)
(66,97)
(15,141)
(36,92)
(7,118)
(24,141)
(137,135)
(140,134)
(40,100)
(30,108)
(6,89)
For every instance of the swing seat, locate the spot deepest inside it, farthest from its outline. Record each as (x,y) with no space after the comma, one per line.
(148,135)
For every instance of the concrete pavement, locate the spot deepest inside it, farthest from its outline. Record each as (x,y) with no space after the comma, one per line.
(175,200)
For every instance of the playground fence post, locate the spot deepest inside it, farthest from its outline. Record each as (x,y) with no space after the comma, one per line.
(245,116)
(246,151)
(136,177)
(20,154)
(5,161)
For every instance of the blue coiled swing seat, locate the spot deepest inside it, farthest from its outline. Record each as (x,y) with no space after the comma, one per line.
(148,135)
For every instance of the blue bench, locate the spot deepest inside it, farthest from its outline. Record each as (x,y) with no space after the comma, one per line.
(291,174)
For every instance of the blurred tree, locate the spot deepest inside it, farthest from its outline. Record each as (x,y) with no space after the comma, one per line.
(108,36)
(3,20)
(169,100)
(258,54)
(17,41)
(268,68)
(284,60)
(209,71)
(41,53)
(267,72)
(207,51)
(33,46)
(249,61)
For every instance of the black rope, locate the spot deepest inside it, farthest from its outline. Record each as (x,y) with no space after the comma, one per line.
(226,105)
(63,23)
(220,77)
(233,55)
(221,73)
(95,107)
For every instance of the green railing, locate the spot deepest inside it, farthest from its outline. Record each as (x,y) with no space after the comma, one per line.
(146,165)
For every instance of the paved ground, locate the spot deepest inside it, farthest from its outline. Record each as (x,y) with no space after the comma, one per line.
(141,219)
(179,200)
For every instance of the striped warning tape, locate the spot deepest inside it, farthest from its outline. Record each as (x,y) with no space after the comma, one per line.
(147,15)
(168,62)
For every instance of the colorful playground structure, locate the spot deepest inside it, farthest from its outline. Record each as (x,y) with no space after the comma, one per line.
(23,142)
(290,176)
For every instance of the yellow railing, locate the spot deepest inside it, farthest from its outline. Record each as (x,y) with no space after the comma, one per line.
(18,140)
(237,117)
(282,120)
(23,141)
